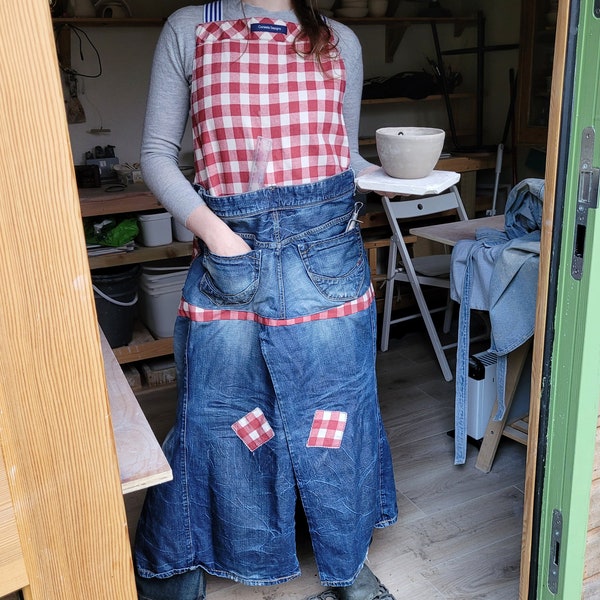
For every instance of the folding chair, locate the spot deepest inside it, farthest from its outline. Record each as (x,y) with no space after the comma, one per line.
(419,271)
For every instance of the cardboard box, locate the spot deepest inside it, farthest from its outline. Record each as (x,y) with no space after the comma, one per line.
(106,166)
(128,175)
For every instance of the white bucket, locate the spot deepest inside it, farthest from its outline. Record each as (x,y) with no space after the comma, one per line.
(155,229)
(181,233)
(161,283)
(158,308)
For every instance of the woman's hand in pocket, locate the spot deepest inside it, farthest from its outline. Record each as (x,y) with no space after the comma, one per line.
(215,233)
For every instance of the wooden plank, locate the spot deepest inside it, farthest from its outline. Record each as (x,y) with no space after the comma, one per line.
(591,567)
(141,460)
(521,424)
(468,162)
(13,575)
(594,516)
(546,252)
(137,352)
(451,233)
(495,429)
(142,254)
(56,433)
(136,197)
(591,577)
(404,99)
(515,434)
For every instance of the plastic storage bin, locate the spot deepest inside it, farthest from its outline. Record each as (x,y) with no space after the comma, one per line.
(181,233)
(116,297)
(155,229)
(160,284)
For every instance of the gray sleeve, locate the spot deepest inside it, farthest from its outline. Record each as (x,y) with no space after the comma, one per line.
(167,111)
(351,52)
(168,108)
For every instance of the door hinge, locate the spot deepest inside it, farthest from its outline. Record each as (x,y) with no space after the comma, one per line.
(554,561)
(587,197)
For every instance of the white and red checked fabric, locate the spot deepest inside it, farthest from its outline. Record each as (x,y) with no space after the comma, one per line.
(327,429)
(253,429)
(249,81)
(201,315)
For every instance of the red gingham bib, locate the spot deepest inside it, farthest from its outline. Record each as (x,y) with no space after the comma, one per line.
(248,82)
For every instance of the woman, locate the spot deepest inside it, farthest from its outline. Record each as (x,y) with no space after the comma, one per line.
(275,338)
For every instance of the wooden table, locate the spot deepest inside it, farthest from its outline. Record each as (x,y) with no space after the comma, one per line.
(141,465)
(141,460)
(450,234)
(468,165)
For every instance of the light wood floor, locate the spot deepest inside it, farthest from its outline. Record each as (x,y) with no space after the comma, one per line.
(458,535)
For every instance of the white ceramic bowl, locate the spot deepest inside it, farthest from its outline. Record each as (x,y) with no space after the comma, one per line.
(409,152)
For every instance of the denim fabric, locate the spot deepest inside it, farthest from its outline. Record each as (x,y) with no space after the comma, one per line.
(523,210)
(229,509)
(497,272)
(190,585)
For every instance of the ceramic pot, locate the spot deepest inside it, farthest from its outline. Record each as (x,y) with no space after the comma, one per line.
(377,8)
(409,152)
(81,8)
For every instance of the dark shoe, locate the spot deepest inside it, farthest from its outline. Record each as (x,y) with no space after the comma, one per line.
(365,587)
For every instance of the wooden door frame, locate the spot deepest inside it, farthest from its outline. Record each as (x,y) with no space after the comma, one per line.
(56,435)
(539,344)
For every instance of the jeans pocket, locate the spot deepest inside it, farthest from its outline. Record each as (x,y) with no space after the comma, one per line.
(336,265)
(230,280)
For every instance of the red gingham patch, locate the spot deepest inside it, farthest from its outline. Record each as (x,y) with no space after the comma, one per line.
(248,84)
(253,429)
(327,429)
(201,315)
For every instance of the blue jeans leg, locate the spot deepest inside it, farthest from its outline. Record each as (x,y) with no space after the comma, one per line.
(190,585)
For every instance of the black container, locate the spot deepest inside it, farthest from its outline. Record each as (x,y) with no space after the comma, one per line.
(116,295)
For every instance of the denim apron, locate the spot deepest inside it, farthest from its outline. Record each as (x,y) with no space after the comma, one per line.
(275,353)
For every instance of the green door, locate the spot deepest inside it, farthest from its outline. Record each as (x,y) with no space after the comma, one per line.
(570,389)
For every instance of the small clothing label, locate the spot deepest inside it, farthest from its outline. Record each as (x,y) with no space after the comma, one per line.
(272,27)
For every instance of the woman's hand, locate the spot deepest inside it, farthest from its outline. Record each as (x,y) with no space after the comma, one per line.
(215,233)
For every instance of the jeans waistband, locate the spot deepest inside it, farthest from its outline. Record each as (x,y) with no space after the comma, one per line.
(271,198)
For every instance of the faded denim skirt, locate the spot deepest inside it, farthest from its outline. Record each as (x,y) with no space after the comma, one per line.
(277,401)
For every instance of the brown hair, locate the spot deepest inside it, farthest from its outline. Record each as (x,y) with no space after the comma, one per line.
(314,28)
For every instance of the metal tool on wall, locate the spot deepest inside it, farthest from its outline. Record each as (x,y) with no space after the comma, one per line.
(74,108)
(75,111)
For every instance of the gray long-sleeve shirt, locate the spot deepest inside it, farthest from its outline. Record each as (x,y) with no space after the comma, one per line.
(169,100)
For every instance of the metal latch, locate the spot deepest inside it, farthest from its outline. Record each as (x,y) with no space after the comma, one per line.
(555,539)
(587,197)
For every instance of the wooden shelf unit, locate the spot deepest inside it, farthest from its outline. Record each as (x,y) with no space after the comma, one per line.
(396,27)
(102,22)
(136,198)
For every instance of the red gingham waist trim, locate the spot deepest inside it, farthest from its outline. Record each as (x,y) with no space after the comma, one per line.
(194,313)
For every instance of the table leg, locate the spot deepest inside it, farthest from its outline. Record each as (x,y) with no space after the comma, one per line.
(495,429)
(468,192)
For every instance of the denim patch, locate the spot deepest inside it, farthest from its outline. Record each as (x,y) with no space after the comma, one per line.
(253,429)
(327,429)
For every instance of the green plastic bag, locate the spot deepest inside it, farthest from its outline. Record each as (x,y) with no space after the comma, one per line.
(110,232)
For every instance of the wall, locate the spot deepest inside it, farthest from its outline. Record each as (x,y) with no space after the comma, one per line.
(116,100)
(417,46)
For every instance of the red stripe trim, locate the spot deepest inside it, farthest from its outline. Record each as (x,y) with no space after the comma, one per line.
(202,315)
